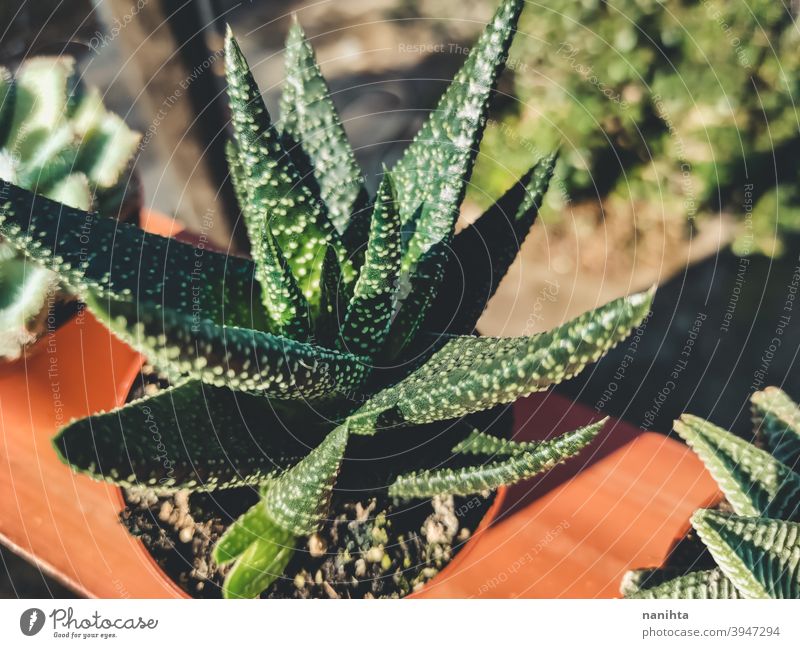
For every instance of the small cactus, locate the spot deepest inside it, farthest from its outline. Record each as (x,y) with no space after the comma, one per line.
(345,330)
(57,140)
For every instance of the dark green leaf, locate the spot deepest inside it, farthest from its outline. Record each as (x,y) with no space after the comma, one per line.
(120,261)
(310,118)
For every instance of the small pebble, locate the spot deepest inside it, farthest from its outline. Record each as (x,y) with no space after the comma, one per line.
(186,534)
(316,546)
(329,590)
(374,554)
(361,568)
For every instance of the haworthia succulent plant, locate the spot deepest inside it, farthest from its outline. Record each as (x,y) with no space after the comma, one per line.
(778,422)
(57,139)
(758,549)
(277,361)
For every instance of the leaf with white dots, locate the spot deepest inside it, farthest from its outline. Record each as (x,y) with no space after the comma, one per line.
(191,436)
(469,374)
(119,261)
(760,556)
(482,253)
(493,474)
(226,356)
(481,443)
(369,313)
(434,170)
(298,500)
(310,118)
(754,482)
(276,191)
(777,418)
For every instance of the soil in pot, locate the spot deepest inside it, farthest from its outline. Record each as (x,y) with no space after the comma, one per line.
(370,548)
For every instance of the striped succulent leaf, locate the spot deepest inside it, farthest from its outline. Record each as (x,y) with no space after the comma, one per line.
(754,482)
(369,312)
(489,476)
(191,436)
(309,117)
(483,252)
(777,420)
(470,374)
(760,556)
(707,584)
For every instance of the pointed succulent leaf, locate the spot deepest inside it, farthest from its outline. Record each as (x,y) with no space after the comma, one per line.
(334,296)
(297,501)
(238,178)
(251,526)
(191,436)
(754,482)
(482,253)
(225,356)
(121,261)
(369,312)
(416,293)
(283,299)
(470,374)
(259,564)
(480,443)
(778,419)
(276,190)
(310,118)
(355,235)
(514,468)
(760,556)
(709,584)
(437,165)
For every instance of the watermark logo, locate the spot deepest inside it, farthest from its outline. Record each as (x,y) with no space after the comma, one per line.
(31,621)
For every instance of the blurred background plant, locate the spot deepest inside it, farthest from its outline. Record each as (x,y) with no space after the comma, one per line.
(681,110)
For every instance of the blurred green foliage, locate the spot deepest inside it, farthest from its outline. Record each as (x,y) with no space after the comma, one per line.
(682,106)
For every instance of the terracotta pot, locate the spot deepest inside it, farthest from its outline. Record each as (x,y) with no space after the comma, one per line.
(566,534)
